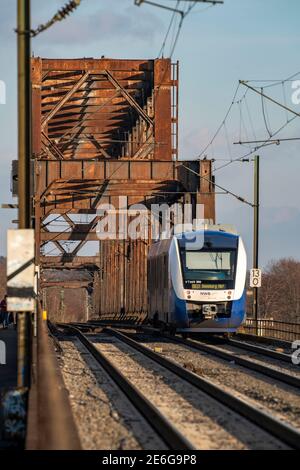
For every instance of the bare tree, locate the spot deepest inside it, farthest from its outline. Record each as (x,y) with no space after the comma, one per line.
(279,296)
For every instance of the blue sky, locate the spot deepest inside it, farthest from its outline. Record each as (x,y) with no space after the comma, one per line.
(242,39)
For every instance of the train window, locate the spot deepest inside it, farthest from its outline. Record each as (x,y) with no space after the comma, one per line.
(211,241)
(218,261)
(205,265)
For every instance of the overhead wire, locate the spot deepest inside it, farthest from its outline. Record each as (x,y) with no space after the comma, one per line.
(60,15)
(250,119)
(226,191)
(243,119)
(275,82)
(183,17)
(227,141)
(183,13)
(240,125)
(233,101)
(271,134)
(264,113)
(223,123)
(284,100)
(160,54)
(264,144)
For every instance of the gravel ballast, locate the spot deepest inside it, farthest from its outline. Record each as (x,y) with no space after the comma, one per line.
(280,399)
(202,420)
(105,418)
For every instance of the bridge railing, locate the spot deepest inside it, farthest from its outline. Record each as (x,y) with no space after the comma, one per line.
(277,329)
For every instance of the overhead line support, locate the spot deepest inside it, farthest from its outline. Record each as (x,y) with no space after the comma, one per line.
(242,82)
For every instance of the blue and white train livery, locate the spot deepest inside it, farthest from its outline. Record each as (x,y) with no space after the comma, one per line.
(198,285)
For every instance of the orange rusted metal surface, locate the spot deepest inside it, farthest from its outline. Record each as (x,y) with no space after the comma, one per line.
(104,108)
(104,128)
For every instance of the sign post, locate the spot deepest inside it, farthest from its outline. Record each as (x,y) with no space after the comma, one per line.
(24,200)
(21,293)
(256,237)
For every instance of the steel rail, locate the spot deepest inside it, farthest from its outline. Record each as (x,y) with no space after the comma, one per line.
(247,363)
(163,427)
(264,339)
(239,344)
(274,426)
(261,350)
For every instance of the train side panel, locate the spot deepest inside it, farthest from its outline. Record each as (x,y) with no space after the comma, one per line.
(158,282)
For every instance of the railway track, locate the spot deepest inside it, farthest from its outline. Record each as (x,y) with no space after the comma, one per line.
(261,350)
(165,429)
(239,343)
(277,428)
(162,426)
(265,341)
(242,361)
(231,356)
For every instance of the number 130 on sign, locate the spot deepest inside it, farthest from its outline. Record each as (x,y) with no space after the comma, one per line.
(255,277)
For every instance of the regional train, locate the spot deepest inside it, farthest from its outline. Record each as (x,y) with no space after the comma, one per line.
(196,282)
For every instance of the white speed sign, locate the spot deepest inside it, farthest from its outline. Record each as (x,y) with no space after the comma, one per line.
(255,277)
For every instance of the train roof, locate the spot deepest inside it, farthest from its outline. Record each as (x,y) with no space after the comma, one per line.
(207,232)
(212,239)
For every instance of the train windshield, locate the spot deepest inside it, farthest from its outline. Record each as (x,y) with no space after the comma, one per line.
(210,267)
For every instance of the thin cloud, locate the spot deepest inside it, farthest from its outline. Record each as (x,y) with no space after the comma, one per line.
(102,26)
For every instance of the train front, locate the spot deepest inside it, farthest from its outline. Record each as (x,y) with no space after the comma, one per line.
(213,272)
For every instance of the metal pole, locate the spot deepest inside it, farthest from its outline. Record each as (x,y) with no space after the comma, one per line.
(24,115)
(24,154)
(24,349)
(256,236)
